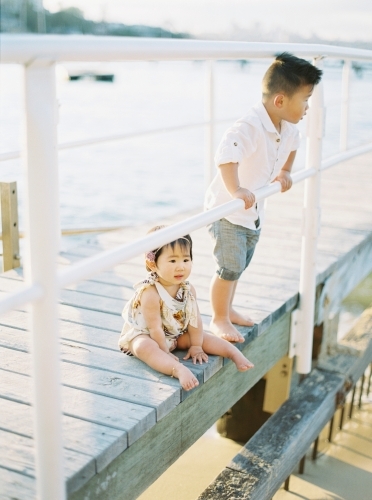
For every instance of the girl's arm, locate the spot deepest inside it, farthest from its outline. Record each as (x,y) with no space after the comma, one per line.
(150,303)
(196,339)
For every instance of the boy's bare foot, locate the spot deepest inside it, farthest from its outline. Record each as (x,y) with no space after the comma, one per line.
(240,319)
(242,363)
(187,380)
(225,330)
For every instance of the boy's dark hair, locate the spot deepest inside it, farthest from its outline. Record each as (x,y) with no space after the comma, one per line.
(185,242)
(288,73)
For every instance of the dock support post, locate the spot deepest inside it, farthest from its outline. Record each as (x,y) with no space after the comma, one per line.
(42,232)
(9,224)
(352,402)
(315,448)
(210,119)
(361,390)
(311,224)
(345,92)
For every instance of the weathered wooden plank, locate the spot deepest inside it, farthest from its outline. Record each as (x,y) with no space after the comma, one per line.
(16,486)
(111,361)
(101,443)
(17,453)
(157,395)
(87,317)
(132,418)
(269,457)
(166,441)
(82,334)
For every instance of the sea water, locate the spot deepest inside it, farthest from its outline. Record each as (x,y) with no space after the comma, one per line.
(144,179)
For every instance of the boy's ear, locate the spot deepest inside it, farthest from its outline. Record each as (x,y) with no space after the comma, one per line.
(279,100)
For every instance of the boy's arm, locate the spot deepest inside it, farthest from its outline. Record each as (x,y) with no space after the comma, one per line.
(230,177)
(151,312)
(195,351)
(284,176)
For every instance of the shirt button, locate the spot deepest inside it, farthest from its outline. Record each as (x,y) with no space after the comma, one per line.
(235,143)
(278,140)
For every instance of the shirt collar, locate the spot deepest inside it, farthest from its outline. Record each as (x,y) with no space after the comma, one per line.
(265,118)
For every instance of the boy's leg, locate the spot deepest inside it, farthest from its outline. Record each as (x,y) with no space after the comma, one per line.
(148,351)
(237,318)
(221,295)
(233,250)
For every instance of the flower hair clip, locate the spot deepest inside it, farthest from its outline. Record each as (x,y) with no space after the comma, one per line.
(150,256)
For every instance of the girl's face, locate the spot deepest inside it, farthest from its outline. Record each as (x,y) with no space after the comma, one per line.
(173,265)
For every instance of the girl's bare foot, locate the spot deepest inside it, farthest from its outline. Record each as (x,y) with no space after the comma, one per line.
(187,380)
(225,330)
(240,319)
(242,363)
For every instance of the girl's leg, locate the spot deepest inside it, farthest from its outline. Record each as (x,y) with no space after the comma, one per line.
(219,347)
(148,351)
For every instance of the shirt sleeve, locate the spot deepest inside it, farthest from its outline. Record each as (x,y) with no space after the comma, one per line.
(239,141)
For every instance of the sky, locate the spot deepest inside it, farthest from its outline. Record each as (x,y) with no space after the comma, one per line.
(347,20)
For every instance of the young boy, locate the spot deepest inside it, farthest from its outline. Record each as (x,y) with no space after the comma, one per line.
(258,149)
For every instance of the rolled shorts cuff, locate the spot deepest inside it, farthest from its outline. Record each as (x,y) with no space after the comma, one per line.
(226,274)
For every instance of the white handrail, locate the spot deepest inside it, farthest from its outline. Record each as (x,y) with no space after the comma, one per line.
(24,49)
(12,155)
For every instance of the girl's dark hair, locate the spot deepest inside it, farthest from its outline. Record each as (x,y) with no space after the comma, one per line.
(185,242)
(288,73)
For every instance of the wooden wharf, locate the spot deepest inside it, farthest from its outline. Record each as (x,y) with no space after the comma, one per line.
(123,423)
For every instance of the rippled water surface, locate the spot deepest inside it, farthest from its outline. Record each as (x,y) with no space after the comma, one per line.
(146,178)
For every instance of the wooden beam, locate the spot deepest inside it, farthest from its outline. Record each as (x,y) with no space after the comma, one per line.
(278,384)
(9,222)
(265,462)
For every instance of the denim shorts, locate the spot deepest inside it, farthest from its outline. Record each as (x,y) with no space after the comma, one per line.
(233,247)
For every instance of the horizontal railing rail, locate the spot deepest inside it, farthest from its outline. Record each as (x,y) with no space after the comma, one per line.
(24,49)
(39,55)
(12,155)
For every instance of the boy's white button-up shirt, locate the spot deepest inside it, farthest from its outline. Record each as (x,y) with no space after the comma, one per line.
(260,151)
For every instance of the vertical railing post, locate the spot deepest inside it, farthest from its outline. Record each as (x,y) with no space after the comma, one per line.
(345,93)
(42,230)
(311,225)
(210,119)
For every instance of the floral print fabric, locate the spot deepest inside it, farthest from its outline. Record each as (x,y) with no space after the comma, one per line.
(176,313)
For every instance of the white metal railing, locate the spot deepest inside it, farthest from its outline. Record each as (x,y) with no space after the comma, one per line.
(38,55)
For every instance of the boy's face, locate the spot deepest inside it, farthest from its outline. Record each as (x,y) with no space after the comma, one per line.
(295,107)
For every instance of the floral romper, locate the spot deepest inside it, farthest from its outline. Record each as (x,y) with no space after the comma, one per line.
(176,314)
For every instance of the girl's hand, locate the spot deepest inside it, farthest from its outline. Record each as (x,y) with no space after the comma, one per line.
(197,354)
